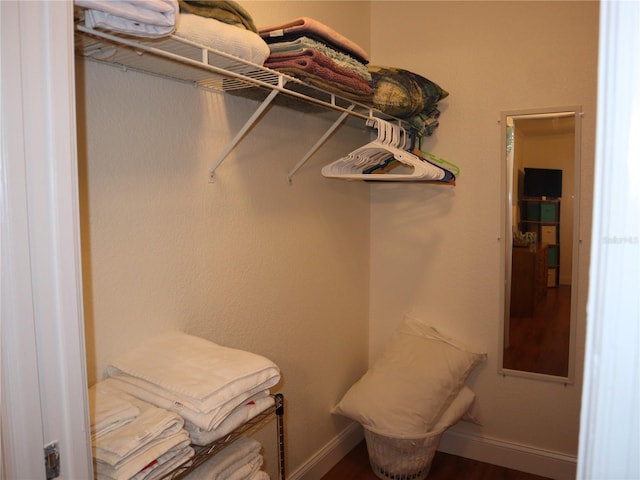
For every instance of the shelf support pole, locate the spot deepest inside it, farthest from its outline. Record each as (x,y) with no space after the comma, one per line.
(319,143)
(249,123)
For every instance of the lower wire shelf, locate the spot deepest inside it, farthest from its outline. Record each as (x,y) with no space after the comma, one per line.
(204,453)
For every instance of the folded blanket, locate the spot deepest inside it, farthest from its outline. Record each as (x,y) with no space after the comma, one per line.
(305,26)
(407,95)
(149,18)
(342,89)
(229,12)
(241,415)
(108,410)
(193,377)
(307,69)
(302,44)
(241,459)
(309,58)
(215,34)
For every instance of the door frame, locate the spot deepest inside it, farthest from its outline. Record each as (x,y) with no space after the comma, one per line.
(44,386)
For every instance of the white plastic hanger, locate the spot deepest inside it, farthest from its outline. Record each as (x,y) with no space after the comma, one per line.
(390,144)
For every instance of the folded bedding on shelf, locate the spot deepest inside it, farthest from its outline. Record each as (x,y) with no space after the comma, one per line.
(239,460)
(229,12)
(193,377)
(328,84)
(215,34)
(317,69)
(305,26)
(154,437)
(241,415)
(315,57)
(304,45)
(405,94)
(151,18)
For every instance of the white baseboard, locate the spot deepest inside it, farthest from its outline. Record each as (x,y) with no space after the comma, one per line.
(510,455)
(327,457)
(524,458)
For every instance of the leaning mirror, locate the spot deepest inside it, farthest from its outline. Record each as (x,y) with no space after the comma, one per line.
(541,164)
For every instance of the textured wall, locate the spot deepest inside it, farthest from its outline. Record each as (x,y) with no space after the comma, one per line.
(435,249)
(249,261)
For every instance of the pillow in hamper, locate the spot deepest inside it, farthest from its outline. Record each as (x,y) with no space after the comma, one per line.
(452,415)
(409,388)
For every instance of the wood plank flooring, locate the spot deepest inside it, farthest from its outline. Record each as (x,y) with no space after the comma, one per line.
(540,343)
(355,466)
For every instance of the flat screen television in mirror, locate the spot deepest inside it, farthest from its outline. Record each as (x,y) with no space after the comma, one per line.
(542,182)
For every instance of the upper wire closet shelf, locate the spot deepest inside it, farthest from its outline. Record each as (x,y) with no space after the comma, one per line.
(185,61)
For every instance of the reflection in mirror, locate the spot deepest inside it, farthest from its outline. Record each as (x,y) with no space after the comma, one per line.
(542,165)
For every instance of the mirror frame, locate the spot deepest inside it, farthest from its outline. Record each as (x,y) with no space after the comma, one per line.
(506,238)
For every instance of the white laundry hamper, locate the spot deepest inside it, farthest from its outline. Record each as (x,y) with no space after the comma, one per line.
(394,458)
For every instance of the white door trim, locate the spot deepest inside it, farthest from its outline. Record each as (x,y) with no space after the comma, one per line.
(44,394)
(610,417)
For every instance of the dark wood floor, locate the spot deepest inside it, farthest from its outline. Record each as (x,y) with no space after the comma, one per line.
(540,343)
(355,466)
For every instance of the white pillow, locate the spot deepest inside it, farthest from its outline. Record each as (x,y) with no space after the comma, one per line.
(410,387)
(452,415)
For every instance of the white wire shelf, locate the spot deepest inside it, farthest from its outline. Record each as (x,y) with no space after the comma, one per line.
(184,61)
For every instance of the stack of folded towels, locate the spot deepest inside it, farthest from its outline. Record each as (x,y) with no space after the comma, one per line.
(210,389)
(132,438)
(152,19)
(241,460)
(312,51)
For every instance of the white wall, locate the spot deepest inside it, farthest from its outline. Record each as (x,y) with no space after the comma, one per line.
(435,249)
(249,261)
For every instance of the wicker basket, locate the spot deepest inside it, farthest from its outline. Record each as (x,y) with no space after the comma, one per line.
(401,458)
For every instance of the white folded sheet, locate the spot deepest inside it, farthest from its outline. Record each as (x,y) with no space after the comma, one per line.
(241,415)
(198,379)
(141,18)
(221,36)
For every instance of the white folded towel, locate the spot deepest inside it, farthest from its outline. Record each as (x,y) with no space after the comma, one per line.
(242,457)
(241,415)
(141,18)
(165,464)
(108,410)
(244,469)
(196,378)
(125,451)
(129,466)
(221,36)
(260,475)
